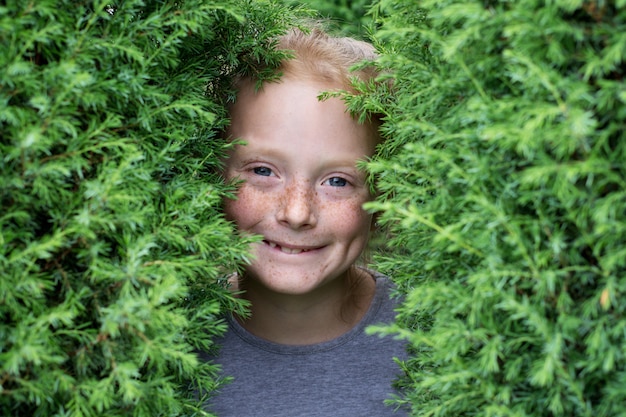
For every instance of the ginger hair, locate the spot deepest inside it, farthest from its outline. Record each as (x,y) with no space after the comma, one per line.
(321,57)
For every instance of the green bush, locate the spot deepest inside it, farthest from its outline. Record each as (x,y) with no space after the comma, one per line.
(112,242)
(504,183)
(346,17)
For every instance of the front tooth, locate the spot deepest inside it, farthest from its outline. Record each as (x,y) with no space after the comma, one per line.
(272,244)
(291,251)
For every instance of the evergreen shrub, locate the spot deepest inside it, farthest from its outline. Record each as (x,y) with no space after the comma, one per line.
(503,181)
(112,242)
(347,17)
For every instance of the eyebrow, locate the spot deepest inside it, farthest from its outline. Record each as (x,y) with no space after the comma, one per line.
(250,154)
(261,150)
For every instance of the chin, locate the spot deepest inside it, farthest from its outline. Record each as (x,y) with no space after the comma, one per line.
(305,283)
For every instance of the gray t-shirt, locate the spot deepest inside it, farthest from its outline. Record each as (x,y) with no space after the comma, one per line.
(350,376)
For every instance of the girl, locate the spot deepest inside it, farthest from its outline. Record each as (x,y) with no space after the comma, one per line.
(303,350)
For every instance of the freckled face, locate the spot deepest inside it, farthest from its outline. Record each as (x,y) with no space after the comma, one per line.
(301,189)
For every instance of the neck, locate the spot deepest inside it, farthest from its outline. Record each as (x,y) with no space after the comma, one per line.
(319,316)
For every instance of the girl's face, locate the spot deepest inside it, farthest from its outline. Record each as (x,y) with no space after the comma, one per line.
(301,189)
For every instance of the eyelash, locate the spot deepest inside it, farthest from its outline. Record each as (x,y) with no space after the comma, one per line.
(267,172)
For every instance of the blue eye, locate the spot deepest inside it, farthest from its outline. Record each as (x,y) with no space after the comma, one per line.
(337,182)
(263,171)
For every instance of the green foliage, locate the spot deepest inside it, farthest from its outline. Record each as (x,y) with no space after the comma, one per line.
(504,182)
(349,18)
(112,242)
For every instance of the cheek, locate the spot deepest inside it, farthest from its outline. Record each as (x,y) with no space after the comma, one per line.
(249,207)
(354,221)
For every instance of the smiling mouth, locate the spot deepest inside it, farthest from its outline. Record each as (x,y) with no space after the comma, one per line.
(290,251)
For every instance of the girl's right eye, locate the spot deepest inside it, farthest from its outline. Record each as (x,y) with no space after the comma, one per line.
(263,171)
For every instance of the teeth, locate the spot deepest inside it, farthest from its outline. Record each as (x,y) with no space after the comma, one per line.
(291,251)
(286,250)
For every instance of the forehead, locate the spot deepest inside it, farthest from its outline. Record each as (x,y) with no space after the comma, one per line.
(292,111)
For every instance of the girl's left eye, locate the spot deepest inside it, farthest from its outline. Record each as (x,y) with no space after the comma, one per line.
(337,182)
(263,171)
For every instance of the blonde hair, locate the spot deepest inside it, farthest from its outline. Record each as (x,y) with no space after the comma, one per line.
(321,57)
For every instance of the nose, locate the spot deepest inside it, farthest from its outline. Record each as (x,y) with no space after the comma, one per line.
(298,206)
